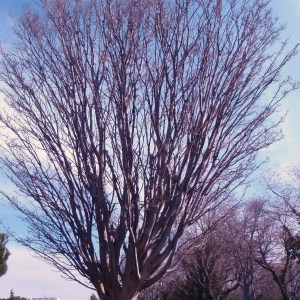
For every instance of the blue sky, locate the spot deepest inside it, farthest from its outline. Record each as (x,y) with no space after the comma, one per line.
(286,151)
(29,276)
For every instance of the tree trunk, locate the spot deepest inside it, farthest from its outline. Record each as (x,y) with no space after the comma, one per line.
(246,295)
(284,292)
(118,294)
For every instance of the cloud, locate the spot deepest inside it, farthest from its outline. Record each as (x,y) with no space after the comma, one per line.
(30,277)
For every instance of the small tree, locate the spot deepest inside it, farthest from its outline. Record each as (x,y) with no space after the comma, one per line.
(12,295)
(4,254)
(93,297)
(127,121)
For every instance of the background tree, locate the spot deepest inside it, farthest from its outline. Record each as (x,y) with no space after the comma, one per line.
(276,257)
(243,247)
(279,246)
(260,251)
(227,265)
(93,297)
(127,121)
(4,254)
(207,273)
(13,297)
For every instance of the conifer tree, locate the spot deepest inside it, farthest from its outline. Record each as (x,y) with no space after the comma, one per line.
(4,254)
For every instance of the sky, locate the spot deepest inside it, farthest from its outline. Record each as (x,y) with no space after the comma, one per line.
(30,277)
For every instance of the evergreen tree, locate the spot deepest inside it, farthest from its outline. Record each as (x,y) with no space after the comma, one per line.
(12,295)
(93,297)
(4,254)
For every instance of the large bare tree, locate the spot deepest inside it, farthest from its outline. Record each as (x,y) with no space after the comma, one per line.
(127,121)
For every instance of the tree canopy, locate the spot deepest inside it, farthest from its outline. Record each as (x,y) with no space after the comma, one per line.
(126,122)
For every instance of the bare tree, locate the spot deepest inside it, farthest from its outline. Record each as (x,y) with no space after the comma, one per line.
(242,242)
(279,247)
(127,121)
(274,249)
(263,243)
(227,264)
(204,270)
(210,272)
(264,251)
